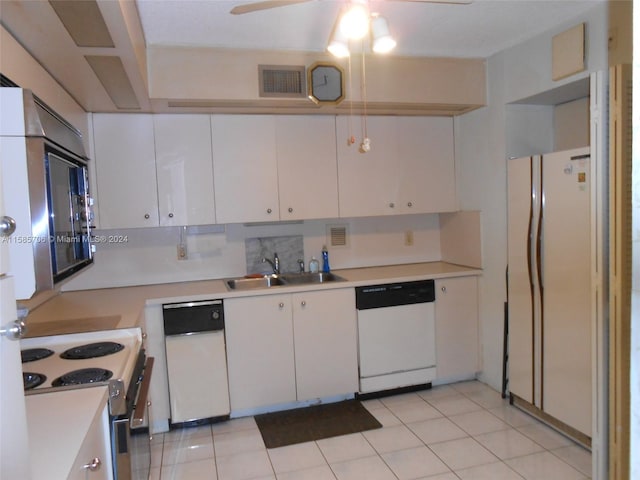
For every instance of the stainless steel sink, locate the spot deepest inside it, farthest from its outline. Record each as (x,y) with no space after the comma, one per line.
(253,283)
(292,279)
(309,278)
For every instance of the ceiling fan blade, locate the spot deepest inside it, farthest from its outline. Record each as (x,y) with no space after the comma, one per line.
(265,5)
(459,2)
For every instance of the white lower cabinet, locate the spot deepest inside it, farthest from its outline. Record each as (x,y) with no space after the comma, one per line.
(94,458)
(259,351)
(325,339)
(283,348)
(456,311)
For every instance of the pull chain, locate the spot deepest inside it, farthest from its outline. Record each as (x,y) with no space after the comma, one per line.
(352,139)
(365,146)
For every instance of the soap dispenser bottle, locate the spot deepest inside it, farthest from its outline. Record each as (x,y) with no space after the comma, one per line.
(325,260)
(314,265)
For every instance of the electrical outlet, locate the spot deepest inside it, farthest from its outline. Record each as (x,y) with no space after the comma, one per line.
(182,251)
(408,238)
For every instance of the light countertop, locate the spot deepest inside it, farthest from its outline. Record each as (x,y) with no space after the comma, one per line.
(123,307)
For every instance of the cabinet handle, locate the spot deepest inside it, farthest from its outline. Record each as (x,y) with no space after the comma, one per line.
(410,204)
(281,305)
(303,303)
(171,215)
(392,205)
(290,210)
(93,465)
(444,289)
(269,210)
(146,216)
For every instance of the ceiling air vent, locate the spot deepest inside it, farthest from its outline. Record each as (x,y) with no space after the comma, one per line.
(285,81)
(337,235)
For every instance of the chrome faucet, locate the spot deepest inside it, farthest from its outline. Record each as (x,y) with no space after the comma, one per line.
(275,264)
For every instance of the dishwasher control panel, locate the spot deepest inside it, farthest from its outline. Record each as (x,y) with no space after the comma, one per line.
(193,317)
(394,294)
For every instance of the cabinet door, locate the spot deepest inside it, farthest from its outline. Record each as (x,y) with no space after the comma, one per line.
(427,167)
(245,168)
(259,335)
(324,325)
(307,167)
(368,183)
(184,169)
(95,445)
(126,170)
(457,327)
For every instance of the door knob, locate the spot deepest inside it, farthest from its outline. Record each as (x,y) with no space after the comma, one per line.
(7,226)
(14,330)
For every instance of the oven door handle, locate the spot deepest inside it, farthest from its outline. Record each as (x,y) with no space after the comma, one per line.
(137,419)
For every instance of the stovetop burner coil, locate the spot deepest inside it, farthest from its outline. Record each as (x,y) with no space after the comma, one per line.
(33,354)
(91,350)
(83,376)
(32,380)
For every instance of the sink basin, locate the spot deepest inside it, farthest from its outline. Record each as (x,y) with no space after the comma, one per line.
(269,281)
(310,278)
(253,283)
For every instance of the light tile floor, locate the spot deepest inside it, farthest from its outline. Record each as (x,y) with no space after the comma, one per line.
(459,431)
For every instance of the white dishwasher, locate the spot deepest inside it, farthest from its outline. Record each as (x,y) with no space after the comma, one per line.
(396,335)
(196,361)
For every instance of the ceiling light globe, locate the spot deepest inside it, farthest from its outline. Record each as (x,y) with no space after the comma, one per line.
(384,45)
(355,22)
(338,49)
(383,42)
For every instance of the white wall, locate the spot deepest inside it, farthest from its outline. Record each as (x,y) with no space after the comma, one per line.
(149,255)
(486,138)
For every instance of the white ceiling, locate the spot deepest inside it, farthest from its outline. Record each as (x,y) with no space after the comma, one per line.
(478,30)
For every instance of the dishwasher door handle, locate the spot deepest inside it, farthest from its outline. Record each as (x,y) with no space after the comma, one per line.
(204,303)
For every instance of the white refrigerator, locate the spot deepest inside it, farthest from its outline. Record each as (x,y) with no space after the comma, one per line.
(549,288)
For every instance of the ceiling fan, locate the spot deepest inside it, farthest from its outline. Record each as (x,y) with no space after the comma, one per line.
(268,4)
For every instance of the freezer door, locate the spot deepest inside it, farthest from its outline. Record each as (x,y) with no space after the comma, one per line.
(566,287)
(522,218)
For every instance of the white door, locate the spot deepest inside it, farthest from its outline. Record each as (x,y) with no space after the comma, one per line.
(245,168)
(520,235)
(184,169)
(566,283)
(307,166)
(396,339)
(325,339)
(197,370)
(14,451)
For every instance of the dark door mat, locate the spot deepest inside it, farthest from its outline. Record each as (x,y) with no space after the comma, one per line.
(306,424)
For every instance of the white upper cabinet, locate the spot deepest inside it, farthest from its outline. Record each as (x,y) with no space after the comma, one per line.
(307,168)
(126,170)
(409,169)
(427,168)
(153,170)
(245,168)
(368,182)
(184,169)
(270,168)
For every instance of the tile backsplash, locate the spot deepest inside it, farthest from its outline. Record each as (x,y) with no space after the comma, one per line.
(289,249)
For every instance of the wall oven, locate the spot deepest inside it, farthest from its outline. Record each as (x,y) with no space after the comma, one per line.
(43,158)
(111,358)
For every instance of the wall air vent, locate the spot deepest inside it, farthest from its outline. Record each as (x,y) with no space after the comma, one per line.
(284,81)
(337,235)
